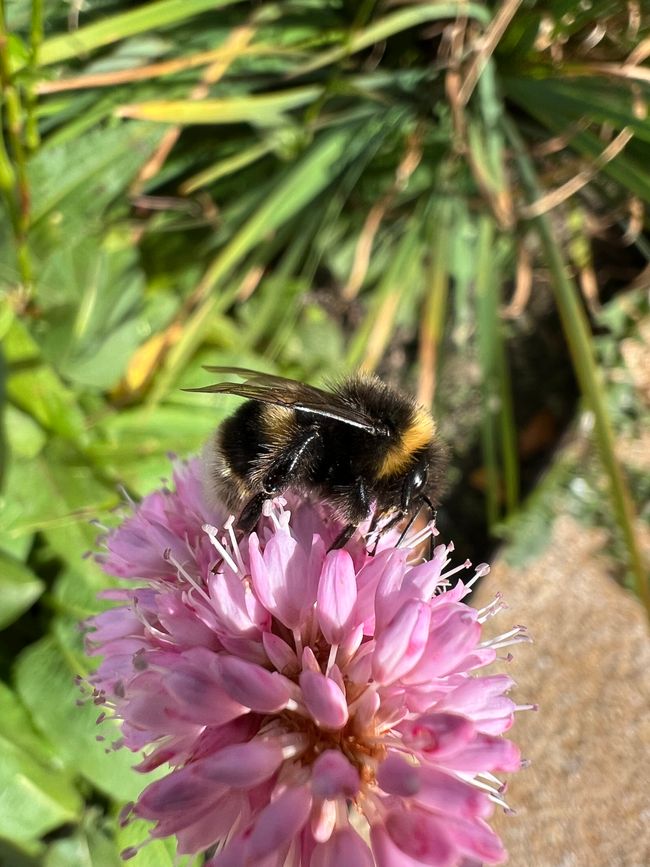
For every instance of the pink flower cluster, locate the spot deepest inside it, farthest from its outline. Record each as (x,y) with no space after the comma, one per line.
(317,708)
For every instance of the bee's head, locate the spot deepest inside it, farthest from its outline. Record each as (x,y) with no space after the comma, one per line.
(424,480)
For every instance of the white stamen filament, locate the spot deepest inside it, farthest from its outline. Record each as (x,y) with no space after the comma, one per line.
(465,565)
(517,635)
(229,527)
(412,541)
(492,608)
(212,534)
(183,571)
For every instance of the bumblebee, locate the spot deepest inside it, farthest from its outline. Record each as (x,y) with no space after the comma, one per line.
(362,443)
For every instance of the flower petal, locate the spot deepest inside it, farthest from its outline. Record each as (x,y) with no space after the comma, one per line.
(337,594)
(252,685)
(345,848)
(333,776)
(437,734)
(242,765)
(422,836)
(277,824)
(401,644)
(324,700)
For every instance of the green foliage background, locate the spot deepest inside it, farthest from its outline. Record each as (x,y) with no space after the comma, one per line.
(301,186)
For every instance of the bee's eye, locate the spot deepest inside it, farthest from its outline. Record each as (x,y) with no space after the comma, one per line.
(418,479)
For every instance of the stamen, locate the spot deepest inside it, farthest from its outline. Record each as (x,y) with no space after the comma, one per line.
(274,509)
(451,572)
(171,559)
(480,572)
(417,538)
(517,635)
(486,775)
(229,527)
(212,534)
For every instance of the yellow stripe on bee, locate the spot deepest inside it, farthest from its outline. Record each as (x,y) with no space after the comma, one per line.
(278,422)
(418,433)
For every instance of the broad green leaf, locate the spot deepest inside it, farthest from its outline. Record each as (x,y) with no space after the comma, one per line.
(75,598)
(35,387)
(78,179)
(158,853)
(25,437)
(18,728)
(23,854)
(34,799)
(88,847)
(111,28)
(45,674)
(136,443)
(19,589)
(57,494)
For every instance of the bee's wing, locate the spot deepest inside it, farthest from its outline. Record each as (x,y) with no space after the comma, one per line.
(268,388)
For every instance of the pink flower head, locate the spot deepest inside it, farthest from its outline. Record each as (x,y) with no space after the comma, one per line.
(316,707)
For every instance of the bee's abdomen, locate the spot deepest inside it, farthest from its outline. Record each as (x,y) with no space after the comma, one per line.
(240,439)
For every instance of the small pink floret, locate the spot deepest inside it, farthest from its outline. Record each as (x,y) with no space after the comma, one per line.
(315,709)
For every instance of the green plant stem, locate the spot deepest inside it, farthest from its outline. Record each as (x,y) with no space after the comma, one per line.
(36,39)
(485,280)
(576,329)
(18,196)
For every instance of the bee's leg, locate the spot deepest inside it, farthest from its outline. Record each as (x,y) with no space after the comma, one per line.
(432,517)
(343,537)
(387,526)
(252,512)
(294,458)
(360,508)
(407,527)
(278,477)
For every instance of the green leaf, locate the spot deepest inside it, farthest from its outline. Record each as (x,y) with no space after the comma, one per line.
(67,497)
(158,853)
(595,97)
(389,25)
(34,798)
(88,847)
(45,674)
(19,589)
(78,179)
(265,110)
(293,190)
(24,436)
(138,442)
(112,28)
(35,387)
(18,728)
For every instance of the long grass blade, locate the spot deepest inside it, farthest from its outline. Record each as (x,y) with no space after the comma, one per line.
(391,24)
(150,16)
(263,110)
(488,350)
(576,329)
